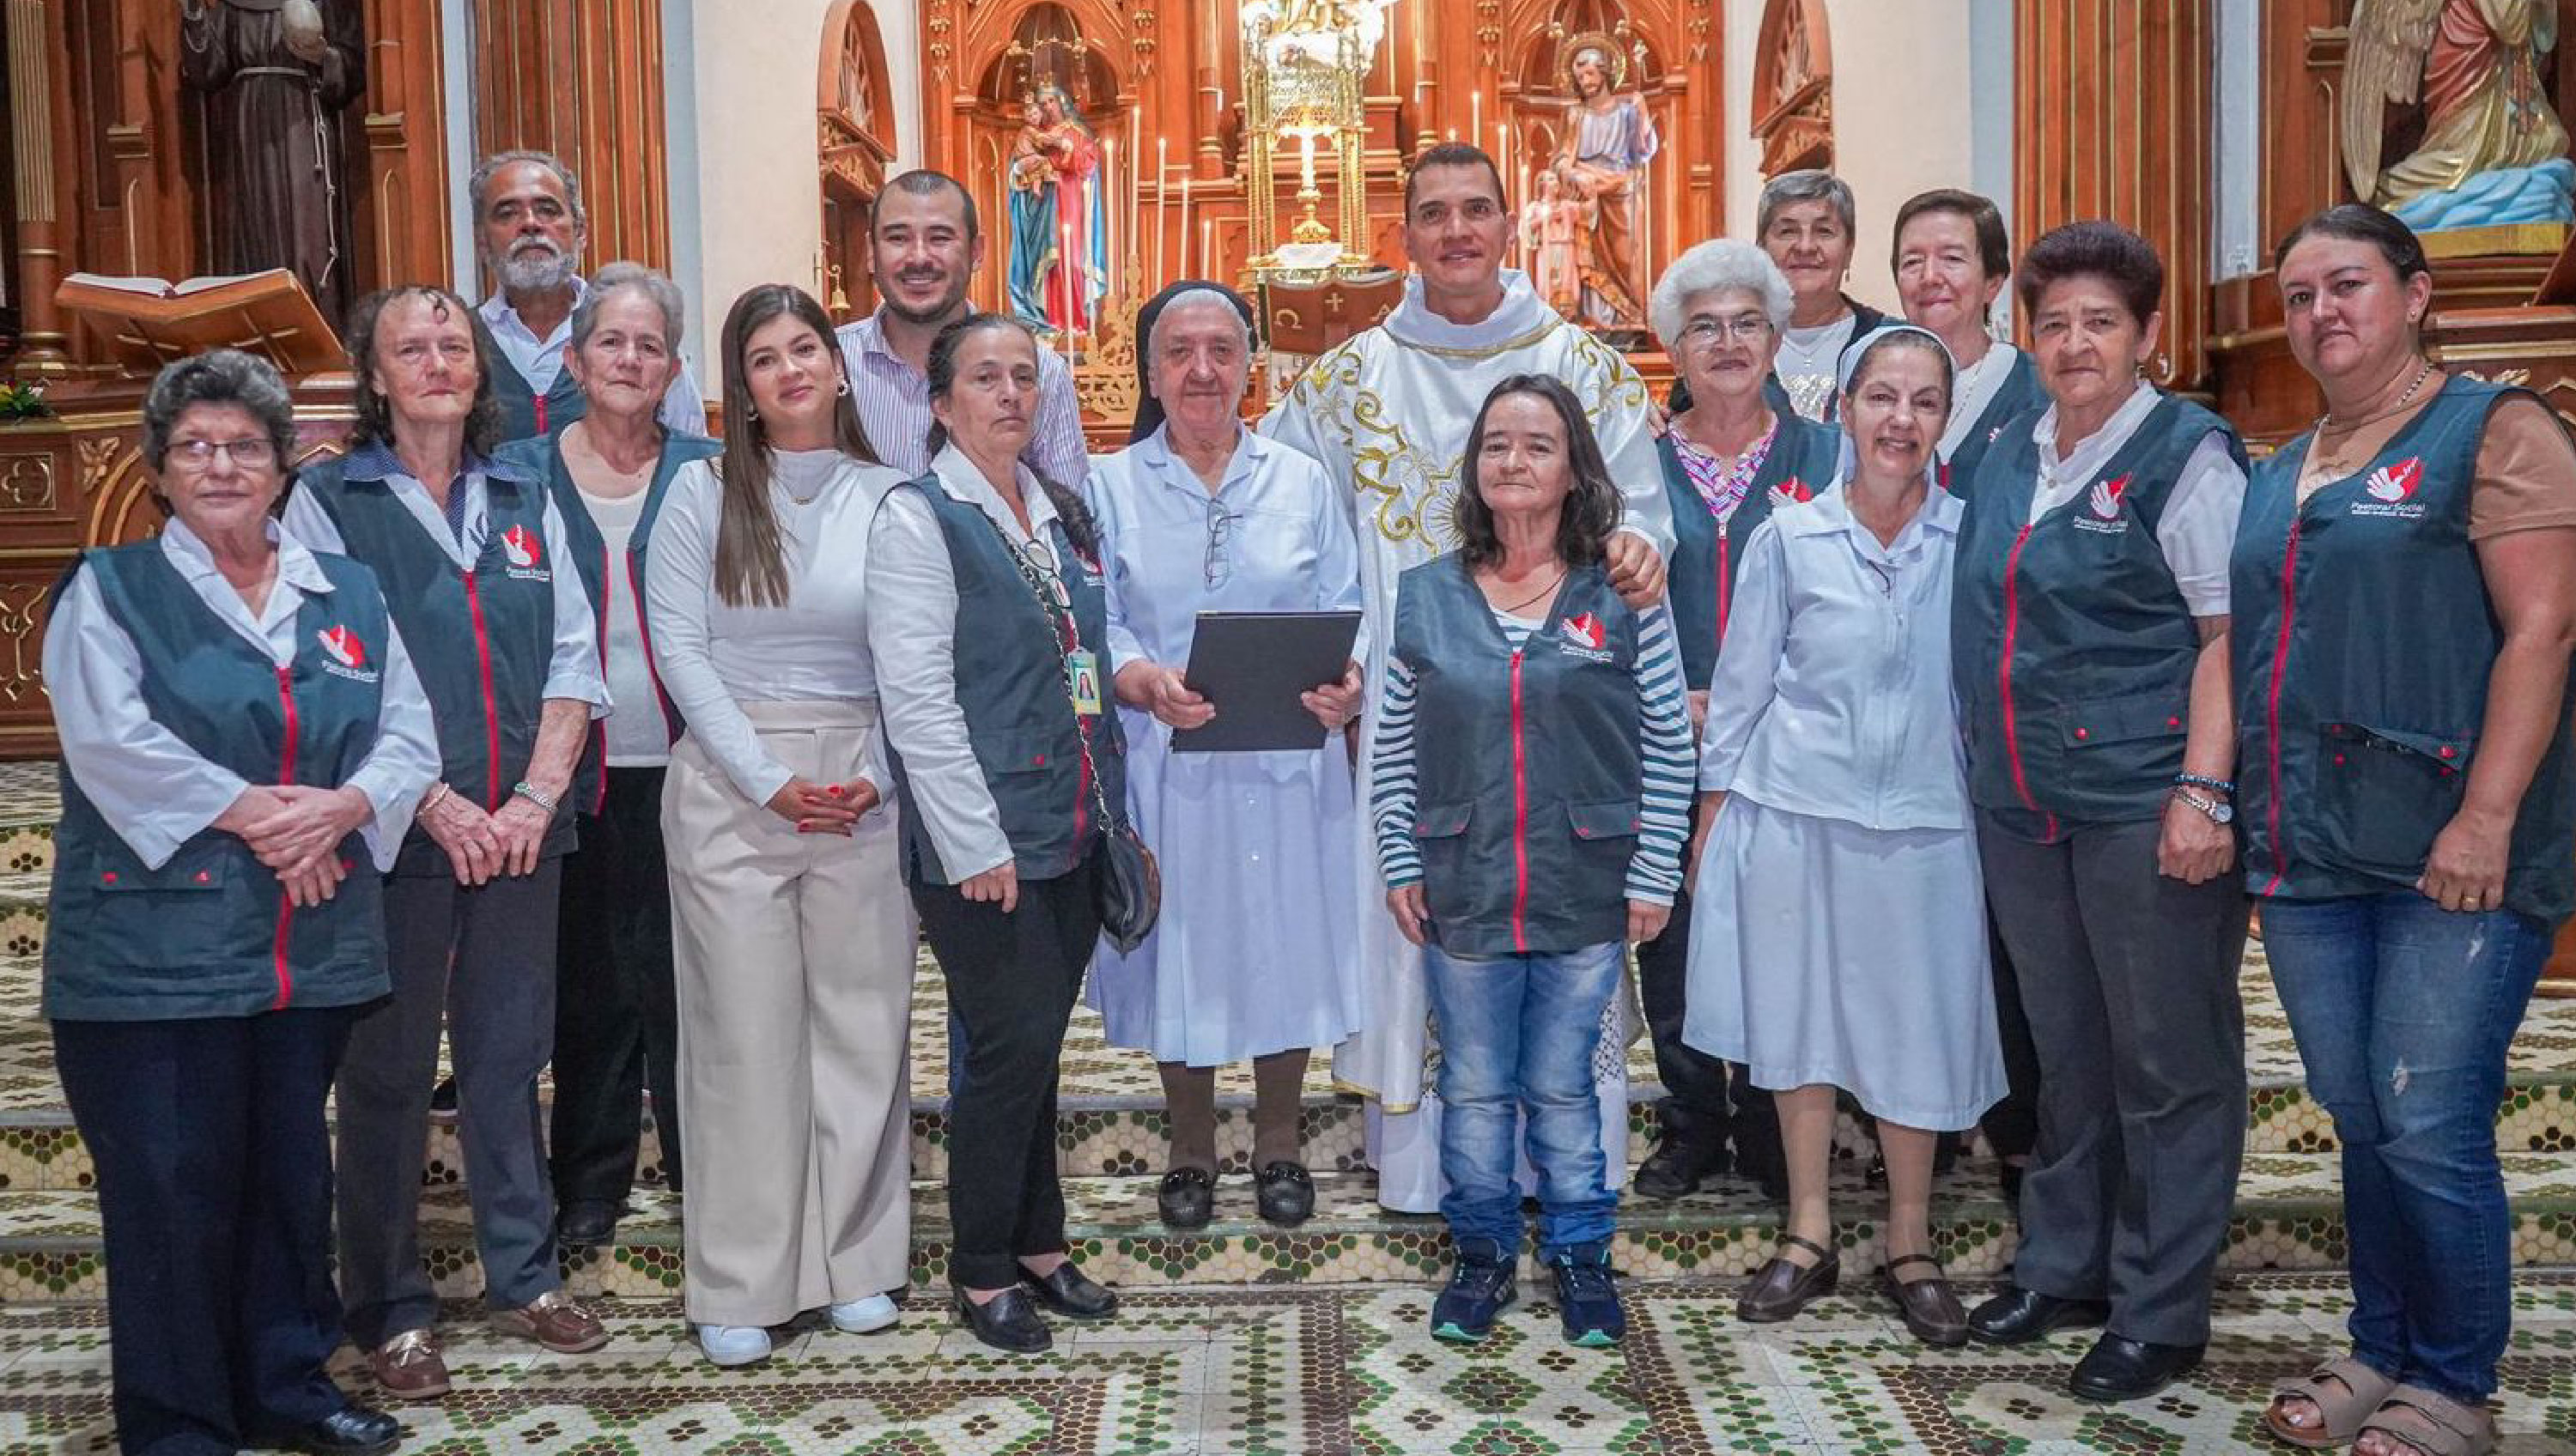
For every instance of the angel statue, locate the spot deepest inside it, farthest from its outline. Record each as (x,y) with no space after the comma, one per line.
(2493,151)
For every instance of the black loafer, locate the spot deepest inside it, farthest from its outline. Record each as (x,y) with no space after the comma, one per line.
(587,1222)
(352,1430)
(1285,1192)
(1677,1168)
(1007,1321)
(2119,1368)
(2019,1316)
(1070,1292)
(1186,1199)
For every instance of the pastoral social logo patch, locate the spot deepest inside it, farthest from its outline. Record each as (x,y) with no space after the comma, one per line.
(1584,630)
(346,653)
(1792,491)
(526,554)
(2390,491)
(2102,507)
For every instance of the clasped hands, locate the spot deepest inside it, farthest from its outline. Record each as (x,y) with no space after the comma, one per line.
(296,830)
(823,808)
(1160,690)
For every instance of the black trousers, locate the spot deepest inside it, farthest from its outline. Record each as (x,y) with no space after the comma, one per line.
(1012,981)
(616,1008)
(214,1193)
(2012,1125)
(1706,1101)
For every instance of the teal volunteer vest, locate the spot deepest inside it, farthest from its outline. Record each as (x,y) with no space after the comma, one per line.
(1701,577)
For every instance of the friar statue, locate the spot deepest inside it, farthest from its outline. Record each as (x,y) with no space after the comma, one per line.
(1608,140)
(275,75)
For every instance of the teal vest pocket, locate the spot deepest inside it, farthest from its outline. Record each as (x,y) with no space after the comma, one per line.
(2383,794)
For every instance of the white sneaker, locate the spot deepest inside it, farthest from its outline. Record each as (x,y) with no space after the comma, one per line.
(863,1316)
(734,1344)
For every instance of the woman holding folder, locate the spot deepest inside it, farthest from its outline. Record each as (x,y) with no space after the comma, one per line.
(1256,956)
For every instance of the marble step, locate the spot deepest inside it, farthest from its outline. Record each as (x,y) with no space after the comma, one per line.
(2288,1216)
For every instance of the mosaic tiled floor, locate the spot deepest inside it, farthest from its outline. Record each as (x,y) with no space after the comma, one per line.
(1325,1371)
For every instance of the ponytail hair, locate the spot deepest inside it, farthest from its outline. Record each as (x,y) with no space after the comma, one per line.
(1079,528)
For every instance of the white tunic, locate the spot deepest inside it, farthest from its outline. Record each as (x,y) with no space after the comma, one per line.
(1257,950)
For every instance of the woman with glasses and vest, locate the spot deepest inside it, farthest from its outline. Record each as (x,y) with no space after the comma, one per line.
(2406,580)
(474,558)
(243,740)
(987,611)
(1199,514)
(1729,460)
(616,1018)
(792,948)
(2090,653)
(1834,806)
(1532,763)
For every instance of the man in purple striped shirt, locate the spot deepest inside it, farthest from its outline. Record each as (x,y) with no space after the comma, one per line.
(924,245)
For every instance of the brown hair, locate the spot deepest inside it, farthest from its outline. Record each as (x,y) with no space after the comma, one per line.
(751,562)
(1592,505)
(2359,222)
(1079,528)
(1994,245)
(375,424)
(2097,249)
(1451,154)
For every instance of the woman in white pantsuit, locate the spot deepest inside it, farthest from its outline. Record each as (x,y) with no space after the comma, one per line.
(792,937)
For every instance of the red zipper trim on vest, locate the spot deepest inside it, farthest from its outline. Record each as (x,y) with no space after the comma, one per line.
(2272,703)
(1722,568)
(286,902)
(1520,815)
(491,707)
(2003,678)
(599,726)
(644,633)
(541,414)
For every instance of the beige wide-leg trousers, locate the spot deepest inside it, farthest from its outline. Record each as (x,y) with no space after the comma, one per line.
(794,955)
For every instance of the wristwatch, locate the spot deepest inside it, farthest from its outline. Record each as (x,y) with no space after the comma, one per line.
(2219,810)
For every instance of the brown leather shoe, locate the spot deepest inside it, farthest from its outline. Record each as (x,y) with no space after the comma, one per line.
(408,1367)
(1781,1288)
(556,1321)
(1929,1306)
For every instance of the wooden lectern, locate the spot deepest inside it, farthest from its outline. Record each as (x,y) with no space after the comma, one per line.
(149,323)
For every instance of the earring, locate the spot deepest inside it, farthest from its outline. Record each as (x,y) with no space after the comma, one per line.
(845,386)
(751,412)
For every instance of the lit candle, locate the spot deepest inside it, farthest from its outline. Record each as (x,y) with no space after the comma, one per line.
(1185,222)
(1135,167)
(1476,117)
(1108,180)
(1065,278)
(1161,179)
(1207,246)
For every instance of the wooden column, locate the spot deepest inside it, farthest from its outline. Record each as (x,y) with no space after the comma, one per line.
(583,79)
(2111,105)
(37,44)
(402,221)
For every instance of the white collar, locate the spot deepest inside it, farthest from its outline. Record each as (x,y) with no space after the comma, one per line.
(195,560)
(497,310)
(2102,444)
(964,481)
(1520,313)
(1155,452)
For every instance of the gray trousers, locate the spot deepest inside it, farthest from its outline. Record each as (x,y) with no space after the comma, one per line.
(482,962)
(2130,981)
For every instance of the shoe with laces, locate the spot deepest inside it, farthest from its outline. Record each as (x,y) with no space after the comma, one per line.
(409,1367)
(1587,1296)
(1480,1288)
(732,1345)
(863,1316)
(556,1321)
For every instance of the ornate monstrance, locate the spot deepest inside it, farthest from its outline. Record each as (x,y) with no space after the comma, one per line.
(1305,68)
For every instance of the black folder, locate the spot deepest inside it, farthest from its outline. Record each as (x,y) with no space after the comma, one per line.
(1253,666)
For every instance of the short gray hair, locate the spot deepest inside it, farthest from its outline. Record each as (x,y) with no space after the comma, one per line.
(218,377)
(618,277)
(1807,184)
(1192,298)
(1717,266)
(478,186)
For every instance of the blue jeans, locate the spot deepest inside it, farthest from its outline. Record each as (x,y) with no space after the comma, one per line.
(1516,1036)
(2403,1011)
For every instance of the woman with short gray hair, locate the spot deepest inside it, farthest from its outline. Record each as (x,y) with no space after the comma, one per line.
(1806,223)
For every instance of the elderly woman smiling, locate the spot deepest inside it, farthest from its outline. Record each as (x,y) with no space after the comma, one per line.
(1201,515)
(243,741)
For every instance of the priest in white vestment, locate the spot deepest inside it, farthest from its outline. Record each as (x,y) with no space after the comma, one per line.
(1388,413)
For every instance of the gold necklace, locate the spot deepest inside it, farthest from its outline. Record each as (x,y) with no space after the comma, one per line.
(2330,462)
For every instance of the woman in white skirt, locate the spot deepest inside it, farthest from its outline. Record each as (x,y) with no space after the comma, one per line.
(1840,943)
(791,937)
(1256,957)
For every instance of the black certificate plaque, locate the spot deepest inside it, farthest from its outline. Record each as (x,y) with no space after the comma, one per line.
(1254,666)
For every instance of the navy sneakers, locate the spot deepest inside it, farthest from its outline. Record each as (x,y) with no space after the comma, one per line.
(1587,1299)
(1480,1288)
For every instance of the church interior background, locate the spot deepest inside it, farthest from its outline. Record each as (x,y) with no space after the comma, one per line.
(1113,147)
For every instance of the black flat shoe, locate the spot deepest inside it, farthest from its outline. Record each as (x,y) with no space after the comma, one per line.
(587,1222)
(1007,1321)
(1286,1194)
(1071,1293)
(2019,1316)
(2119,1368)
(1677,1168)
(351,1430)
(1186,1199)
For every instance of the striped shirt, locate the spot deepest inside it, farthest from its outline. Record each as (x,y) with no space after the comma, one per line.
(894,406)
(1665,753)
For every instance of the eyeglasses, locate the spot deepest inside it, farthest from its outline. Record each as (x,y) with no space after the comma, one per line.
(253,452)
(1703,331)
(1218,565)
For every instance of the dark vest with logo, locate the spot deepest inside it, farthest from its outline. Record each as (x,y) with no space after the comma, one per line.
(613,586)
(1701,578)
(2021,399)
(1010,664)
(2071,644)
(2363,639)
(210,933)
(482,640)
(525,414)
(1529,775)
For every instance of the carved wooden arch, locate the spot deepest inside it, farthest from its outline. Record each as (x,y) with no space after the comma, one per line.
(1793,86)
(989,30)
(849,20)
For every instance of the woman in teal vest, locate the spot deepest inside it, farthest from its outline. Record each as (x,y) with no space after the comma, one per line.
(1728,459)
(988,614)
(2090,654)
(1538,833)
(616,1026)
(2403,575)
(243,742)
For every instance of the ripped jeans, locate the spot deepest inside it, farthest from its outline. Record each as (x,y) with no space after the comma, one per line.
(2403,1011)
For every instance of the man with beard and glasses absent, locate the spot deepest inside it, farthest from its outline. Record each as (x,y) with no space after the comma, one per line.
(924,245)
(530,227)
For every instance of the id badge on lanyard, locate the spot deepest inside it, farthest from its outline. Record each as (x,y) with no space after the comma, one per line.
(1082,677)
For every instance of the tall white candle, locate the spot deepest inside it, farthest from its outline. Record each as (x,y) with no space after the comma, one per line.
(1162,177)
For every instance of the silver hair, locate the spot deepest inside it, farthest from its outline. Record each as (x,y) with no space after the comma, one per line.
(1188,298)
(478,186)
(1716,266)
(1807,184)
(656,288)
(218,377)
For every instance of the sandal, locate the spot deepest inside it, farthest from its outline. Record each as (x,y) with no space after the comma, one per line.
(2435,1425)
(2355,1392)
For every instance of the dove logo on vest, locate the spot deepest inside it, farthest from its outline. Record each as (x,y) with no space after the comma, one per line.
(2390,491)
(344,655)
(1582,635)
(525,551)
(1790,492)
(2102,511)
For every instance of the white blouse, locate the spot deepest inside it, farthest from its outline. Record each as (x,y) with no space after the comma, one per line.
(155,791)
(637,736)
(714,655)
(2197,531)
